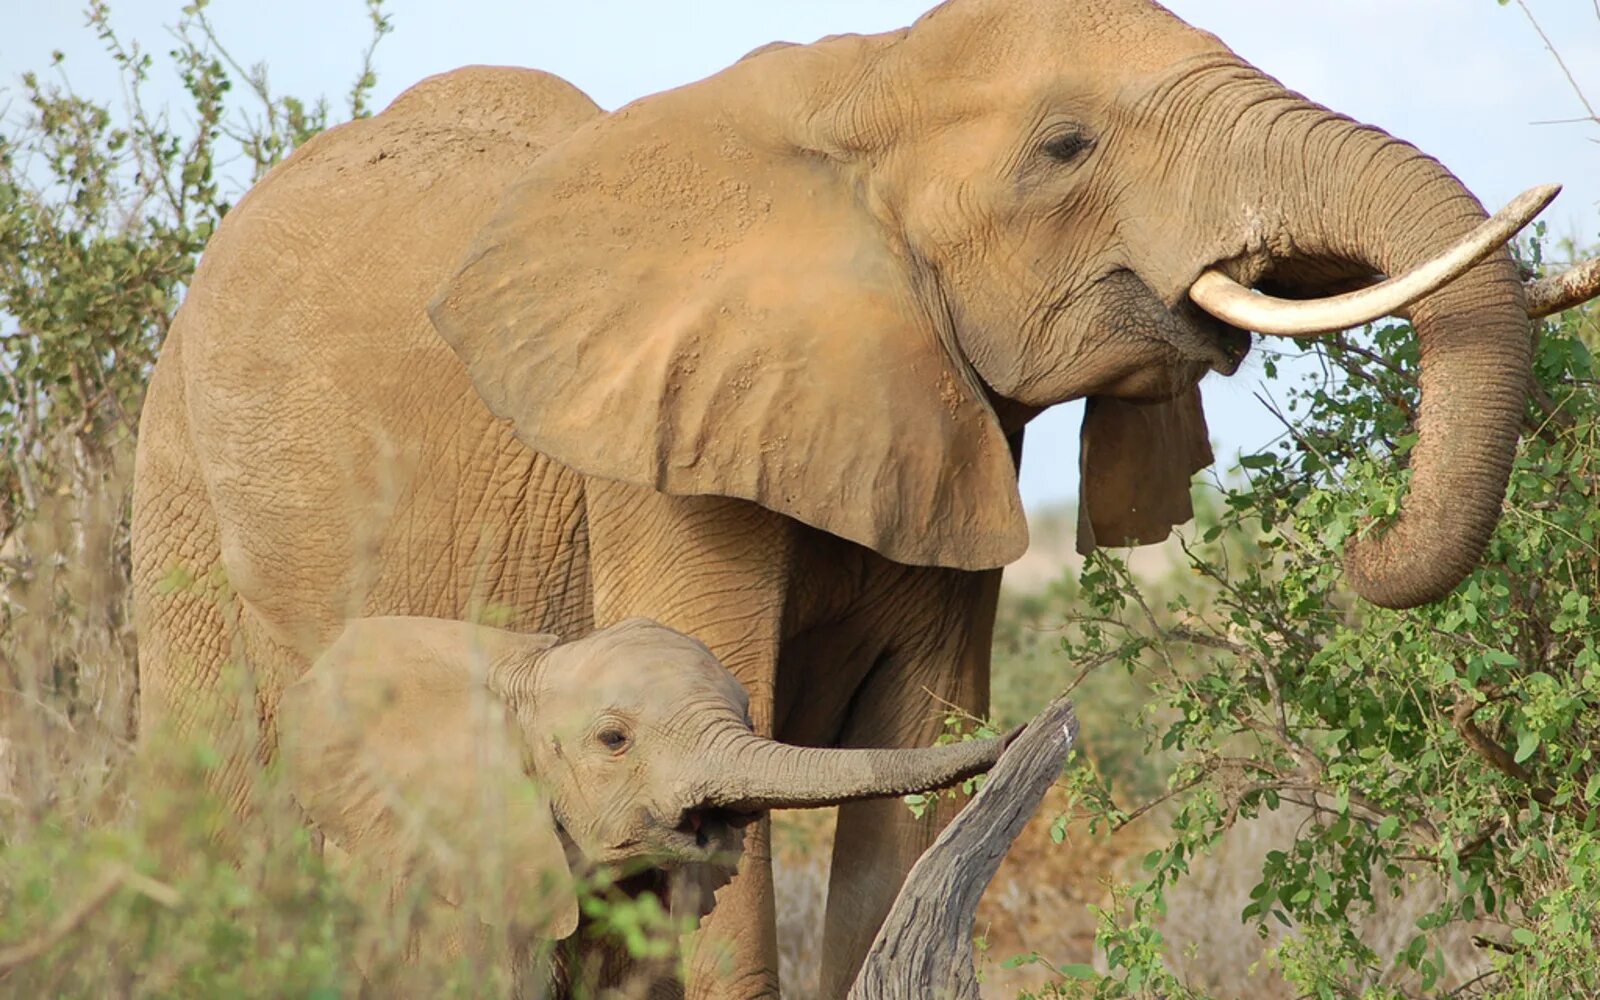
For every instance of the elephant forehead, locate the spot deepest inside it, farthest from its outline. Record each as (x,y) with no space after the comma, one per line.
(1120,36)
(643,663)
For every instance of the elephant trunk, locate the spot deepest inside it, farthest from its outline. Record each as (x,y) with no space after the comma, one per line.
(1373,201)
(753,773)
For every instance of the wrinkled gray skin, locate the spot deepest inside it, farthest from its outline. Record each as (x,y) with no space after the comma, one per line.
(746,358)
(533,762)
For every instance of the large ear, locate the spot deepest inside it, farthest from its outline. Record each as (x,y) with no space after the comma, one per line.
(398,749)
(701,293)
(1136,460)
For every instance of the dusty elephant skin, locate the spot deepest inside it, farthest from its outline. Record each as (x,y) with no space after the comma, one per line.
(753,357)
(489,761)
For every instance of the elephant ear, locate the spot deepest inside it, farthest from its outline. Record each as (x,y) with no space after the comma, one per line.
(399,750)
(1136,460)
(695,295)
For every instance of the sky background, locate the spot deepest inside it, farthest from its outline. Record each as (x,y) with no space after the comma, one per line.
(1465,80)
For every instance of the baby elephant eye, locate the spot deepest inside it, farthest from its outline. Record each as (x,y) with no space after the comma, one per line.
(1067,145)
(613,739)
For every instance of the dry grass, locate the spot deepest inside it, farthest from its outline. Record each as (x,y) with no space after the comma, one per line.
(1040,903)
(111,884)
(113,878)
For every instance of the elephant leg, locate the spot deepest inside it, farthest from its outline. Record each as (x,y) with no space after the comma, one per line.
(186,616)
(716,569)
(942,653)
(208,668)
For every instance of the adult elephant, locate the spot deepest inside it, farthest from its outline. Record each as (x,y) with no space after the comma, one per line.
(753,358)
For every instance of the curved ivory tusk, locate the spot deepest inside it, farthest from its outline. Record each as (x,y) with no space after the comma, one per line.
(1238,306)
(1549,295)
(1560,292)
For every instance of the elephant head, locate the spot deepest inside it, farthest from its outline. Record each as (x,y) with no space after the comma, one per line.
(500,756)
(836,279)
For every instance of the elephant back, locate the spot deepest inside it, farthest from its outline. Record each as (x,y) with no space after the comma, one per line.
(313,376)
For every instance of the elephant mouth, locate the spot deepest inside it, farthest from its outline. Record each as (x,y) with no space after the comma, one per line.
(1204,339)
(712,830)
(698,834)
(1194,342)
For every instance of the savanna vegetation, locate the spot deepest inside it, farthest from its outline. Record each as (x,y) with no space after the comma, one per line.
(1281,791)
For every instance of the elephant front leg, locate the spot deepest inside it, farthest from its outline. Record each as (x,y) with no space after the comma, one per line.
(719,570)
(941,659)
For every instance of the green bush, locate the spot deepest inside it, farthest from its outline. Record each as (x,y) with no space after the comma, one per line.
(1453,744)
(103,213)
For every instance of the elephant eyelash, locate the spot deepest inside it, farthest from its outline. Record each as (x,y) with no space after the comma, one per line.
(1067,145)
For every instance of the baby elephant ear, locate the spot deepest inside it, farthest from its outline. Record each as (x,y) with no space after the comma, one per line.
(703,294)
(1136,460)
(398,748)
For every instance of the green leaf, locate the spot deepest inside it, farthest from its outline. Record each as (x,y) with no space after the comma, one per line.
(1527,743)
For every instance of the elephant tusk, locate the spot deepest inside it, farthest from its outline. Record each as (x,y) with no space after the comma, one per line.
(1561,292)
(1239,306)
(1546,296)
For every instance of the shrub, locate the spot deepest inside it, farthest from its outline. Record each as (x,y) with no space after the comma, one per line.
(1452,745)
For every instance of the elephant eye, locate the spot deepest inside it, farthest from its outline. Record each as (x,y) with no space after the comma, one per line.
(1067,145)
(613,739)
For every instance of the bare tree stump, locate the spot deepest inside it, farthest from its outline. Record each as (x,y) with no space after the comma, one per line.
(924,950)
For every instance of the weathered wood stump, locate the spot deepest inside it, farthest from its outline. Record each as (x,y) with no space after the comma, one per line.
(924,950)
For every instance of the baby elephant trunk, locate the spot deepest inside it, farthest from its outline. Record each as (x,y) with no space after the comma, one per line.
(755,774)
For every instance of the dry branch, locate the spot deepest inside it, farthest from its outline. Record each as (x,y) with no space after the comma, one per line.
(1559,292)
(116,878)
(924,949)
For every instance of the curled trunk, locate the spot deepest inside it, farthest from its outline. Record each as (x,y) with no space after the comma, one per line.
(1364,198)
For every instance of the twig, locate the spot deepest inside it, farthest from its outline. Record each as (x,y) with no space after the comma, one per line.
(1346,344)
(1501,759)
(1165,796)
(30,499)
(1462,850)
(1559,62)
(117,877)
(1461,991)
(360,90)
(50,711)
(1493,945)
(1266,400)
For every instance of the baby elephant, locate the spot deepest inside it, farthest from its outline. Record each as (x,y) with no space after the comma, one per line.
(510,765)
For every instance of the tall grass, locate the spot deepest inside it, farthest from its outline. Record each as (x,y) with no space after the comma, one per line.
(121,874)
(114,880)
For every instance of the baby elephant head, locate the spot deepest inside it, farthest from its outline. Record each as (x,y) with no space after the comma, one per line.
(478,749)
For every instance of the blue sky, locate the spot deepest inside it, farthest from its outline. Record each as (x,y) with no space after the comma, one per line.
(1464,80)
